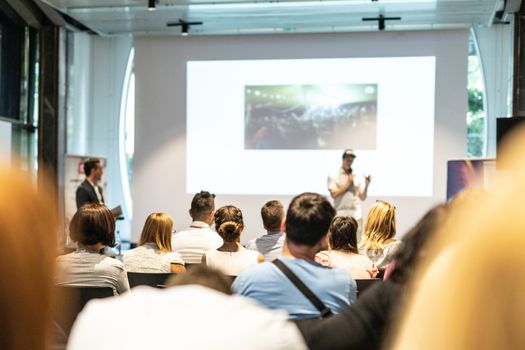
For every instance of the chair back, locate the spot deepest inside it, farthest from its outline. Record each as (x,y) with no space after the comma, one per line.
(364,284)
(157,280)
(70,300)
(190,266)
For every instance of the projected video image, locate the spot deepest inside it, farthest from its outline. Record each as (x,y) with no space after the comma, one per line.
(310,116)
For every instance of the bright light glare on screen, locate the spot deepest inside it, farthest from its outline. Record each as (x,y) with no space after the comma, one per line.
(279,126)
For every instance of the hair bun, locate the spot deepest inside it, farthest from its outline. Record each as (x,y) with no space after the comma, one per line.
(229,227)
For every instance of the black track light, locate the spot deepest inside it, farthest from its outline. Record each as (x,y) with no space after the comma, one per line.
(151,5)
(184,26)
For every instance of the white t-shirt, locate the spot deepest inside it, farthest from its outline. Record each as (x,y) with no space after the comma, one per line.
(231,263)
(382,258)
(193,242)
(148,258)
(348,203)
(207,320)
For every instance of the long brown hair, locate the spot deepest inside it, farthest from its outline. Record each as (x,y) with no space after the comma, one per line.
(28,232)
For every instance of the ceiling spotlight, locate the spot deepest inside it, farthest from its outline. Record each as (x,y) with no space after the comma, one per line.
(151,5)
(381,20)
(184,26)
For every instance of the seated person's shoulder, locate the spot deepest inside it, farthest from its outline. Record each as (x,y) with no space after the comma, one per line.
(251,244)
(108,262)
(257,273)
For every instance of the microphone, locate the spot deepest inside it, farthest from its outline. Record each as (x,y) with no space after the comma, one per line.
(349,170)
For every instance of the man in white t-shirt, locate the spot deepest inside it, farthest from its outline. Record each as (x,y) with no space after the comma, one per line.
(199,237)
(185,317)
(348,190)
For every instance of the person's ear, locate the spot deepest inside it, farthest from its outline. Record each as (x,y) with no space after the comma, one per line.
(323,242)
(283,225)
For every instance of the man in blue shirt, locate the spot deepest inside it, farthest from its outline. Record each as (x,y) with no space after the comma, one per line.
(306,225)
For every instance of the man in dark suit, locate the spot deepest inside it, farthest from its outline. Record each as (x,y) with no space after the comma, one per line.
(89,191)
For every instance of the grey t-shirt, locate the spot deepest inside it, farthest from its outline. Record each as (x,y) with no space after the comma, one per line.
(270,245)
(148,258)
(85,268)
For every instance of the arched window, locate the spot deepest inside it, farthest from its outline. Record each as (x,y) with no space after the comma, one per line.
(476,114)
(127,133)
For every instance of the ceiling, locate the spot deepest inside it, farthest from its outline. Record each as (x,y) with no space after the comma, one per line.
(115,17)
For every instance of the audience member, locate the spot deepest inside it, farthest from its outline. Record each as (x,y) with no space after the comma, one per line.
(28,234)
(154,252)
(193,242)
(470,295)
(204,276)
(204,319)
(365,324)
(343,250)
(231,258)
(307,221)
(379,242)
(92,228)
(271,244)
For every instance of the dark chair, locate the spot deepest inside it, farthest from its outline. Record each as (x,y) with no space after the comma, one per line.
(71,300)
(157,280)
(190,266)
(364,284)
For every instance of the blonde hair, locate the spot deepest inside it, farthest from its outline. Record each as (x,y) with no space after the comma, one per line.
(478,264)
(157,229)
(28,232)
(380,226)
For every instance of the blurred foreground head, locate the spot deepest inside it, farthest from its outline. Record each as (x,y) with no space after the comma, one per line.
(204,276)
(28,233)
(471,293)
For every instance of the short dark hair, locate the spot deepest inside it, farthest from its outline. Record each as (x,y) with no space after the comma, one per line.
(308,218)
(203,203)
(272,214)
(204,276)
(229,222)
(90,165)
(93,223)
(343,234)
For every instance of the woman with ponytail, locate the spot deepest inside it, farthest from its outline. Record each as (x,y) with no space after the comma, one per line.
(231,258)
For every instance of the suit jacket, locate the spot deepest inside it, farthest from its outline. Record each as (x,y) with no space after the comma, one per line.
(86,194)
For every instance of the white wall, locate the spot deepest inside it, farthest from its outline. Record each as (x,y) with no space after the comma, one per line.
(160,144)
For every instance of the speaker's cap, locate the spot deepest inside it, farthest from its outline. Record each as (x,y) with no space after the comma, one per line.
(349,153)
